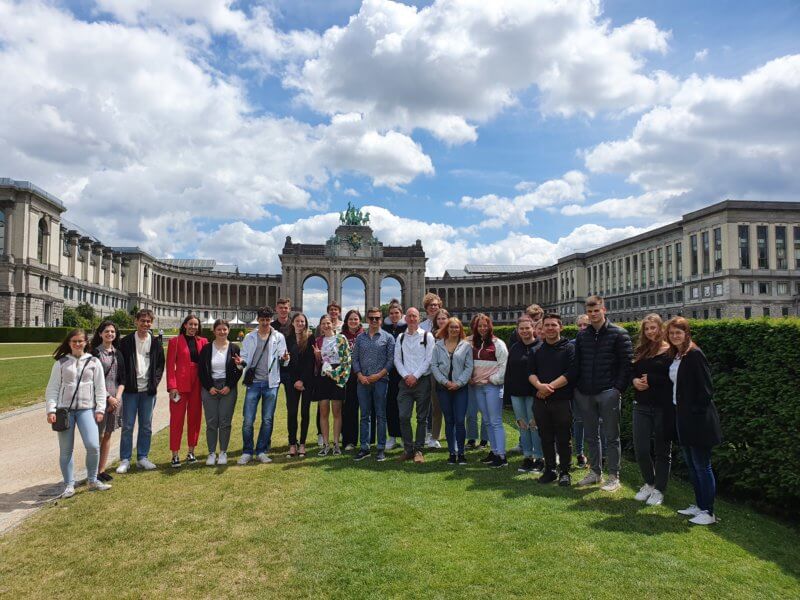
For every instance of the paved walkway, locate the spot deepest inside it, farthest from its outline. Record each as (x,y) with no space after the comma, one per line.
(23,357)
(29,472)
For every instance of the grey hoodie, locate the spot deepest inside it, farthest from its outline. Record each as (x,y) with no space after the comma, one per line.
(63,379)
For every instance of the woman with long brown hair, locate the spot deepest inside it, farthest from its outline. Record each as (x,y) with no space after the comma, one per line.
(653,412)
(435,416)
(332,368)
(105,346)
(351,329)
(696,417)
(301,375)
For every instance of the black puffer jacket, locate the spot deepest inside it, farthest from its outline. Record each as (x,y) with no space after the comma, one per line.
(604,358)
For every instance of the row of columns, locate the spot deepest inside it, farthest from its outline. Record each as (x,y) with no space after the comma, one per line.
(516,294)
(177,290)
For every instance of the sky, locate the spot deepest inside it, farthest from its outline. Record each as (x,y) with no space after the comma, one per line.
(502,132)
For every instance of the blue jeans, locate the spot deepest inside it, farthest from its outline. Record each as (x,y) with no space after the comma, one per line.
(490,403)
(369,397)
(84,420)
(701,475)
(472,418)
(454,410)
(529,438)
(135,404)
(255,392)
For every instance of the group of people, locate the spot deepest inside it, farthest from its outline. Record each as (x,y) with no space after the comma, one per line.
(374,379)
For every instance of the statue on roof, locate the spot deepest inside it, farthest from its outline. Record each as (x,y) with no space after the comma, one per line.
(353,216)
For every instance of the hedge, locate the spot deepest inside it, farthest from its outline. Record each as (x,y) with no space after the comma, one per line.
(39,334)
(755,366)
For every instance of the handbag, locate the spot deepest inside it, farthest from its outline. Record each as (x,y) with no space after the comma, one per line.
(62,414)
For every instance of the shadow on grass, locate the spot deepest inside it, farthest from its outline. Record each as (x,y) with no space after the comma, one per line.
(30,497)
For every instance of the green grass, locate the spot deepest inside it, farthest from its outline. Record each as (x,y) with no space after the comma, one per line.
(23,382)
(333,528)
(10,350)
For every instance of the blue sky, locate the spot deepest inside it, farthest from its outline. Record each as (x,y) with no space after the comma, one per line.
(509,131)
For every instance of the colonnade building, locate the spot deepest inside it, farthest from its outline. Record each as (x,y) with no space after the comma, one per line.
(731,259)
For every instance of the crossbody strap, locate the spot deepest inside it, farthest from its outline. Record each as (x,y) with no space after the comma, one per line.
(78,383)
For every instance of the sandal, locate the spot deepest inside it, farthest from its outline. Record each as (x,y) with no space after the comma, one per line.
(302,452)
(292,451)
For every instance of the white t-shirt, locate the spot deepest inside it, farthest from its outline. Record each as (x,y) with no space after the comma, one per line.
(218,360)
(142,361)
(673,375)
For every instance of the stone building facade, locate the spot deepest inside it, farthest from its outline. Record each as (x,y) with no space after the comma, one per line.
(731,259)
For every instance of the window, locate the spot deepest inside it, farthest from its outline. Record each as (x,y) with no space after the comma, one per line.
(744,247)
(678,296)
(643,272)
(706,254)
(660,263)
(693,250)
(746,287)
(636,302)
(670,297)
(785,311)
(748,312)
(608,278)
(660,298)
(651,267)
(589,279)
(718,289)
(694,314)
(66,292)
(652,299)
(705,313)
(627,272)
(781,260)
(706,291)
(761,246)
(783,288)
(797,247)
(668,252)
(717,249)
(614,276)
(678,261)
(636,270)
(40,240)
(694,292)
(764,288)
(718,313)
(766,311)
(2,232)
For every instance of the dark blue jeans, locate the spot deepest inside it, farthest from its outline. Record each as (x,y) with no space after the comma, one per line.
(373,397)
(136,404)
(701,475)
(454,411)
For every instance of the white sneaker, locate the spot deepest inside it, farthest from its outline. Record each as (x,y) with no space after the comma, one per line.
(263,458)
(123,467)
(69,491)
(390,443)
(690,511)
(349,447)
(590,479)
(703,518)
(211,460)
(244,459)
(644,492)
(223,458)
(612,485)
(99,486)
(144,463)
(428,438)
(656,498)
(432,443)
(320,441)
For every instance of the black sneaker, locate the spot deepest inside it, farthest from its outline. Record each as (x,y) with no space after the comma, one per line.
(362,454)
(526,466)
(381,456)
(452,460)
(176,462)
(104,477)
(191,458)
(499,461)
(565,480)
(548,477)
(488,458)
(582,462)
(462,460)
(538,465)
(484,443)
(471,445)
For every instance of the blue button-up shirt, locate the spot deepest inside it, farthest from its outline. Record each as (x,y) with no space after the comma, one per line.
(373,353)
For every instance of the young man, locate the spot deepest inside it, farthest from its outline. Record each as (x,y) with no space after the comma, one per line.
(603,354)
(144,367)
(394,325)
(553,374)
(412,358)
(432,304)
(263,351)
(283,324)
(373,357)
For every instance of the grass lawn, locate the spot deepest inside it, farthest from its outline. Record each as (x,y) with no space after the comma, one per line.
(9,350)
(333,528)
(24,381)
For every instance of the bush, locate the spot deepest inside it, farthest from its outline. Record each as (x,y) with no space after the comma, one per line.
(33,334)
(121,318)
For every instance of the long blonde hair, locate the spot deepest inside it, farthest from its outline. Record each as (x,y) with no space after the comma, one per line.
(645,347)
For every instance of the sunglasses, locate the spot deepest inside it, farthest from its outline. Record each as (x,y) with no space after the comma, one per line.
(373,318)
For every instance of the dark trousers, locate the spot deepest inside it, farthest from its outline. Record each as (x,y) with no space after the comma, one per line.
(407,398)
(701,476)
(296,400)
(653,449)
(554,419)
(350,412)
(454,410)
(392,410)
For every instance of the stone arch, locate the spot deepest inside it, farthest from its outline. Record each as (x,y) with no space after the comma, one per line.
(398,292)
(314,301)
(41,235)
(352,298)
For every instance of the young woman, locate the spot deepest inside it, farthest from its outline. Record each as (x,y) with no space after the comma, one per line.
(332,357)
(220,370)
(77,384)
(183,385)
(489,355)
(696,417)
(435,416)
(577,419)
(653,412)
(394,324)
(350,423)
(301,375)
(451,367)
(105,347)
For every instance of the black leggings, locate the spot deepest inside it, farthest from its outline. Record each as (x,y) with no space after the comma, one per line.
(293,402)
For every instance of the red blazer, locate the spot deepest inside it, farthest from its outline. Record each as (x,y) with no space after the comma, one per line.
(182,373)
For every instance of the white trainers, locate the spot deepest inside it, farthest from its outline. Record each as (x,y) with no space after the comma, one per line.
(123,467)
(349,447)
(590,479)
(644,492)
(144,463)
(703,518)
(99,486)
(211,460)
(690,511)
(320,441)
(612,485)
(69,491)
(656,498)
(432,443)
(223,458)
(390,443)
(263,458)
(244,459)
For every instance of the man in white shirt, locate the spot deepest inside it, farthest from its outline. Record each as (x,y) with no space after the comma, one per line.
(412,359)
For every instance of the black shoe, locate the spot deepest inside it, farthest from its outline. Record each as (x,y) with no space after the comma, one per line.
(499,461)
(176,462)
(484,443)
(565,480)
(471,445)
(362,454)
(582,462)
(526,466)
(548,477)
(104,477)
(538,465)
(191,458)
(462,460)
(381,456)
(452,460)
(488,458)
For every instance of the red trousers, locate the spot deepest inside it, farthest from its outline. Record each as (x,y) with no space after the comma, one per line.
(190,402)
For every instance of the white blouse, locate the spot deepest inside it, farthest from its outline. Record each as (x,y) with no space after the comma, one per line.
(673,375)
(218,360)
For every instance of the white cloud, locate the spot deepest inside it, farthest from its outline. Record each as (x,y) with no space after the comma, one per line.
(650,204)
(701,55)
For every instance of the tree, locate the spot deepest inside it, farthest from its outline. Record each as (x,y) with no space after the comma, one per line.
(86,311)
(72,318)
(122,319)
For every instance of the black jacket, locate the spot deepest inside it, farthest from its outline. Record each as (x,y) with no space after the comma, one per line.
(232,372)
(302,364)
(551,361)
(128,348)
(659,392)
(516,382)
(695,414)
(604,358)
(121,380)
(286,330)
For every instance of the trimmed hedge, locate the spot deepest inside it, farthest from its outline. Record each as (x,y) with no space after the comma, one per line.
(40,334)
(755,366)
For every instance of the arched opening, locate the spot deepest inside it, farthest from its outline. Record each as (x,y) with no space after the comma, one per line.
(391,288)
(40,240)
(354,294)
(315,298)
